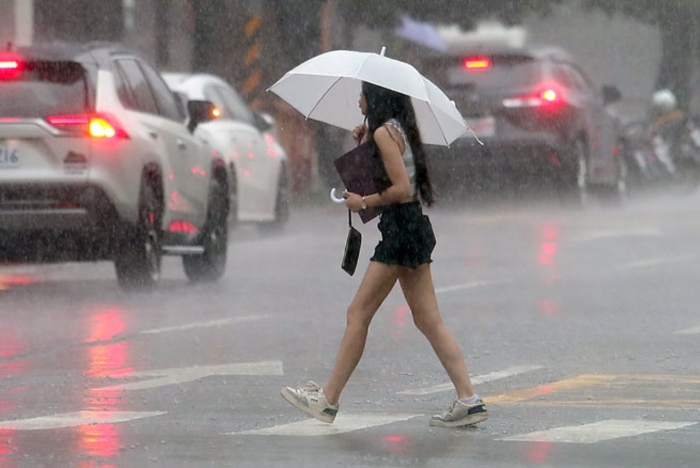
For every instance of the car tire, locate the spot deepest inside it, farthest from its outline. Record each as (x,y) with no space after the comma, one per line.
(138,259)
(210,265)
(232,198)
(282,204)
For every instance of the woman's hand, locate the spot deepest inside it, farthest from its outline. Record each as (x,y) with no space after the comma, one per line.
(353,201)
(359,134)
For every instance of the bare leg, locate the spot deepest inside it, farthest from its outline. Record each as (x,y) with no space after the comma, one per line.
(419,291)
(376,285)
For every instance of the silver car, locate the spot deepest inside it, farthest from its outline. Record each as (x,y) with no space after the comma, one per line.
(98,161)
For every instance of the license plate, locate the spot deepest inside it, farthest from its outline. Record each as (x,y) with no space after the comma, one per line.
(483,127)
(9,156)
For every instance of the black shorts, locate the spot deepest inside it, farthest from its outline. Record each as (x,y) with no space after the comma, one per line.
(407,236)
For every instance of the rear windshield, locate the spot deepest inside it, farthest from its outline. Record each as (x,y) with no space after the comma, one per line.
(500,73)
(43,89)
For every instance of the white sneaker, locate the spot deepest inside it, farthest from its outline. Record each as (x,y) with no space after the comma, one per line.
(461,414)
(311,400)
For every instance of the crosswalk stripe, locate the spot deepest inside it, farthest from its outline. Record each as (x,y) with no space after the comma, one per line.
(599,431)
(163,377)
(343,423)
(511,371)
(58,421)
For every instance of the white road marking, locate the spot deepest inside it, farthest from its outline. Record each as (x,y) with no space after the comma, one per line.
(459,287)
(659,261)
(343,423)
(163,377)
(58,421)
(689,331)
(479,379)
(596,432)
(610,234)
(212,323)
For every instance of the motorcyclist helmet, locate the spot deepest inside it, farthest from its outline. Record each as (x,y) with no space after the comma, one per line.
(663,101)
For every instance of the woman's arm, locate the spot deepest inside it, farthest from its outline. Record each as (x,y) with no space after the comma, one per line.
(390,150)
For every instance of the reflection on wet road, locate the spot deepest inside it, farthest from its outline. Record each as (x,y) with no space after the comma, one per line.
(578,327)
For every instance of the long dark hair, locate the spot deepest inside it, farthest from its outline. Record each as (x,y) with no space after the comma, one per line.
(384,104)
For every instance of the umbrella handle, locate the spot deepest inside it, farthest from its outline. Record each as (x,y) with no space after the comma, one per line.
(336,199)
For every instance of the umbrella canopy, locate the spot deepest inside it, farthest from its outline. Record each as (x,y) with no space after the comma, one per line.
(327,88)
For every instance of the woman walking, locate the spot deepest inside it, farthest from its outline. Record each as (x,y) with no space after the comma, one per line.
(403,254)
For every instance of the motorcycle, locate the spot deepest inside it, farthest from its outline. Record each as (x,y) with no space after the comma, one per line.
(663,153)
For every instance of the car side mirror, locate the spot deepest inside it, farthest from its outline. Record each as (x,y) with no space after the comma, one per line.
(200,112)
(611,94)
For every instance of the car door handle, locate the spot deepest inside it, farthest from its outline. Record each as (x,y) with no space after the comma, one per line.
(153,135)
(181,145)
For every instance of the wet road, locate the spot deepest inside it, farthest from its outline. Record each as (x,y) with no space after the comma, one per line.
(580,329)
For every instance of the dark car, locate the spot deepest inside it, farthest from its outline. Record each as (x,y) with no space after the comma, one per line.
(535,115)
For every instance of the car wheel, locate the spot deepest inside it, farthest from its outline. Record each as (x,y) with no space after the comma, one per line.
(282,204)
(210,265)
(138,259)
(233,199)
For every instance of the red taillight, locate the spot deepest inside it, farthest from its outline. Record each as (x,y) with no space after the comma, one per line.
(477,63)
(182,226)
(10,66)
(547,97)
(96,126)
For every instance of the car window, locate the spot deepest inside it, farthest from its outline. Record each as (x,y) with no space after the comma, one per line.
(235,105)
(210,94)
(45,88)
(143,99)
(579,78)
(231,106)
(123,90)
(562,76)
(502,73)
(165,98)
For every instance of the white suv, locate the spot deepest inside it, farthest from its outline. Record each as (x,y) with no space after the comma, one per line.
(98,161)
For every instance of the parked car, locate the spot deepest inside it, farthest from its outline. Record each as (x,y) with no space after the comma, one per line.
(256,162)
(98,162)
(535,113)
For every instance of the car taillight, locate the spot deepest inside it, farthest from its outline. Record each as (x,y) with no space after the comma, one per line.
(10,67)
(96,126)
(477,63)
(547,97)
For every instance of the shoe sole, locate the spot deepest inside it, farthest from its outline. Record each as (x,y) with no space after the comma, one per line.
(289,398)
(470,420)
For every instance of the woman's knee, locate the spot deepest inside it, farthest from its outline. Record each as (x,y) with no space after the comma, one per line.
(428,325)
(358,316)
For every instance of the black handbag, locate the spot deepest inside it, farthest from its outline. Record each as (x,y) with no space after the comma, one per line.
(352,248)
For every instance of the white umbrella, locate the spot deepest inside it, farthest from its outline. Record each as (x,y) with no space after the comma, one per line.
(327,88)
